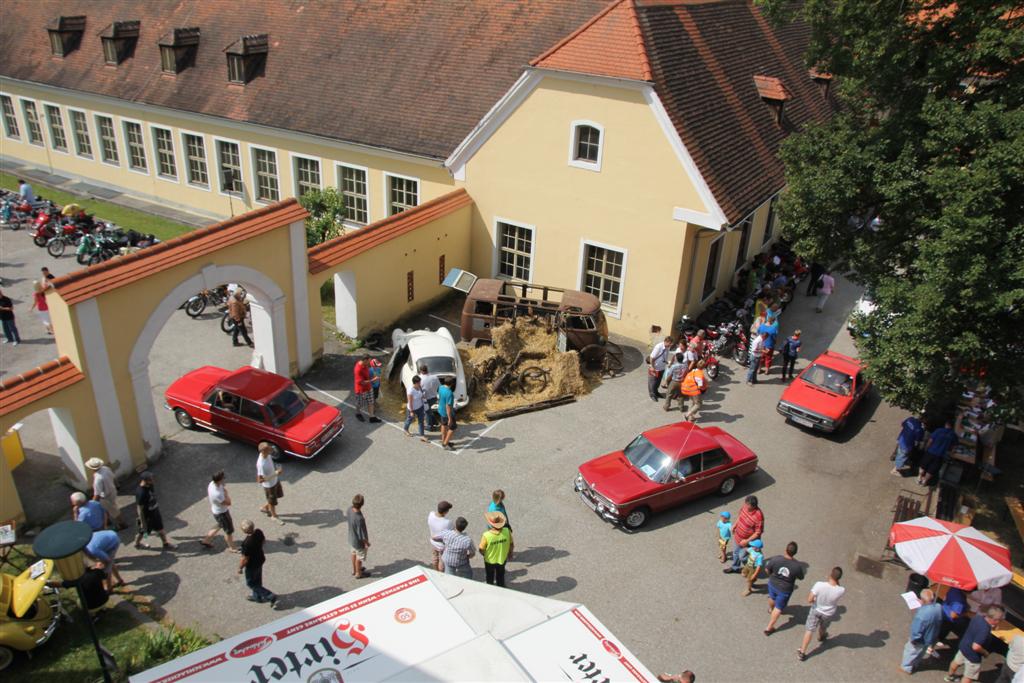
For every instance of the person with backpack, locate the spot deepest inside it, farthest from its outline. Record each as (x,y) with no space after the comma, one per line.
(694,385)
(790,350)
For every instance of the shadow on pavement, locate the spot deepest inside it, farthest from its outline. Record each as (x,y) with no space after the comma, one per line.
(539,554)
(854,641)
(538,586)
(307,597)
(324,518)
(287,544)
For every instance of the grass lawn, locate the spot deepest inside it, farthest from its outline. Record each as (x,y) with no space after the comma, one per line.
(123,217)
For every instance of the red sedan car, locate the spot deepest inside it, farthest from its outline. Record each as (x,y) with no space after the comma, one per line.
(660,469)
(254,406)
(825,393)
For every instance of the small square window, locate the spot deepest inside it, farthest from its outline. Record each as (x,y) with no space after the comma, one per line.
(403,194)
(136,146)
(515,251)
(230,167)
(195,151)
(236,69)
(307,175)
(585,145)
(352,182)
(265,167)
(108,140)
(603,272)
(167,167)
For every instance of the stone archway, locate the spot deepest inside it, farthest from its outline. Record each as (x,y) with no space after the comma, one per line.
(269,332)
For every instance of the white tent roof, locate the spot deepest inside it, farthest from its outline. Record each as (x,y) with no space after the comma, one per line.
(417,625)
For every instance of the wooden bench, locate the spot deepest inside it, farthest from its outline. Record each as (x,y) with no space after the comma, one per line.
(907,507)
(1017,512)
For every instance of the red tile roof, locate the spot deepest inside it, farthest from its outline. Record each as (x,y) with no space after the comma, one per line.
(339,250)
(405,75)
(704,55)
(32,385)
(610,44)
(124,270)
(771,88)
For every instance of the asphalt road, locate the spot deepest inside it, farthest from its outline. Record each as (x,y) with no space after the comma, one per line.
(660,590)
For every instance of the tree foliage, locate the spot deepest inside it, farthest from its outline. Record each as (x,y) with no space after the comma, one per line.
(930,139)
(326,212)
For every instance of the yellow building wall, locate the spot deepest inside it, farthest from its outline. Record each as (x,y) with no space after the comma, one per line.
(434,179)
(381,273)
(522,175)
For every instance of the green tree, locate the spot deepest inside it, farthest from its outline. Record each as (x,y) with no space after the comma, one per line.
(326,212)
(930,140)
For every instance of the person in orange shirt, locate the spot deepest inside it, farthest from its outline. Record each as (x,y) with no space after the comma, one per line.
(694,385)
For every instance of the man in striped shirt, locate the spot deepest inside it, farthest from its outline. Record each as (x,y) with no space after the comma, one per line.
(748,527)
(458,548)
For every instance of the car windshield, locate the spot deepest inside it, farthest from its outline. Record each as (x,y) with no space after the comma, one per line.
(287,404)
(439,365)
(828,379)
(648,459)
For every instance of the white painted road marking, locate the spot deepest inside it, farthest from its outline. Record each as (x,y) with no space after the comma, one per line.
(478,436)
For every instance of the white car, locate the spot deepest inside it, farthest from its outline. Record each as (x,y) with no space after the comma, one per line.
(864,307)
(436,350)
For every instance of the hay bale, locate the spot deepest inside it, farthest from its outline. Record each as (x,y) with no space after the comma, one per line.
(566,377)
(505,341)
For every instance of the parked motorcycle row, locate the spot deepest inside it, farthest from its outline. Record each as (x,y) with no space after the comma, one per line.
(215,298)
(57,229)
(726,322)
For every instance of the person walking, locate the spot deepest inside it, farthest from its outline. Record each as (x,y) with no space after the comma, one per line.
(909,440)
(924,631)
(251,564)
(770,330)
(458,550)
(817,270)
(674,376)
(429,384)
(790,350)
(823,598)
(496,547)
(935,452)
(826,288)
(754,357)
(437,524)
(104,490)
(148,512)
(102,549)
(657,361)
(446,411)
(414,407)
(783,572)
(376,370)
(362,386)
(358,536)
(973,645)
(40,306)
(88,511)
(1014,660)
(268,476)
(236,311)
(7,320)
(749,526)
(724,526)
(220,504)
(694,385)
(47,276)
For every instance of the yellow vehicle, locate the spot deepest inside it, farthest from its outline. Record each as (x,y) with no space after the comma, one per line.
(29,611)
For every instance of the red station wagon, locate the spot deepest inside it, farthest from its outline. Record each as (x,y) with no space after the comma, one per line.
(254,406)
(825,393)
(660,469)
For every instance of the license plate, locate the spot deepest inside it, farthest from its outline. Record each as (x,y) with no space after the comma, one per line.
(802,421)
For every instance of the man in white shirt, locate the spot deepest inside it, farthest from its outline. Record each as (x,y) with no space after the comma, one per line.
(754,356)
(823,598)
(1014,666)
(104,490)
(438,523)
(220,504)
(268,476)
(657,361)
(429,384)
(26,192)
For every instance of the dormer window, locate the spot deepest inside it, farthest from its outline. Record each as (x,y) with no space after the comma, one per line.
(773,92)
(178,50)
(247,58)
(66,34)
(822,79)
(119,41)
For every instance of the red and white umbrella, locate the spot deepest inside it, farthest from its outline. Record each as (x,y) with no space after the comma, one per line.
(951,554)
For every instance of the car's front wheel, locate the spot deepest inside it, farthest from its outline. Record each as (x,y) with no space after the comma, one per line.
(275,450)
(184,419)
(6,657)
(727,486)
(637,518)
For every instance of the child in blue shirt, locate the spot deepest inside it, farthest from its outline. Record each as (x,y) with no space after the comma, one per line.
(752,568)
(724,534)
(498,505)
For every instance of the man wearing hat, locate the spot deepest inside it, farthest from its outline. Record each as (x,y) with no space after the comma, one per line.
(496,547)
(150,521)
(104,490)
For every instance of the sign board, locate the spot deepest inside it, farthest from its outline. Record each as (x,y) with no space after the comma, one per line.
(575,646)
(368,634)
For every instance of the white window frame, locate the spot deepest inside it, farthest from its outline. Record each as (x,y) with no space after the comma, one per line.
(88,133)
(208,187)
(581,163)
(581,273)
(99,138)
(387,191)
(217,168)
(24,122)
(127,149)
(174,154)
(496,261)
(14,111)
(338,165)
(293,158)
(256,176)
(718,269)
(49,131)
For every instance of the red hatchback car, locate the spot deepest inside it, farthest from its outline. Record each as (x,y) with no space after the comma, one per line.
(254,406)
(660,469)
(825,393)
